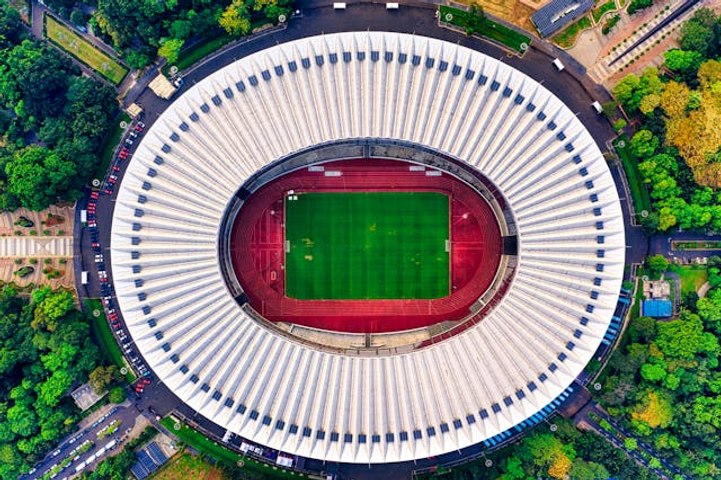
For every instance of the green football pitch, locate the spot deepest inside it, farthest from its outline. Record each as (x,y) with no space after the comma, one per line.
(366,245)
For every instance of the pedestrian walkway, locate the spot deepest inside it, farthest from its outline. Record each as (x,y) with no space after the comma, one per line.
(23,247)
(643,38)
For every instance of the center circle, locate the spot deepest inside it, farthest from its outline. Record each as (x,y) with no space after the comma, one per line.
(366,246)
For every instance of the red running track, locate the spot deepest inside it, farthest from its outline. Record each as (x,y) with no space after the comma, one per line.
(257,252)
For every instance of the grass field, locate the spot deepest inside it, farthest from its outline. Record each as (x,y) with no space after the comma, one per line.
(567,37)
(100,330)
(641,198)
(189,466)
(206,446)
(368,245)
(84,51)
(602,9)
(484,27)
(106,151)
(691,277)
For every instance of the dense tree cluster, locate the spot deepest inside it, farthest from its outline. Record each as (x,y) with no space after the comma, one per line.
(45,350)
(665,383)
(142,29)
(679,143)
(52,121)
(565,454)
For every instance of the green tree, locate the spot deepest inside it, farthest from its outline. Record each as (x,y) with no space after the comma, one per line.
(683,61)
(54,388)
(236,19)
(117,395)
(100,378)
(38,176)
(643,144)
(657,264)
(696,37)
(170,49)
(653,372)
(583,470)
(78,17)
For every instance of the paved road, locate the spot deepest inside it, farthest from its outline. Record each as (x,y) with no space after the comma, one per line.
(571,85)
(663,244)
(87,431)
(584,416)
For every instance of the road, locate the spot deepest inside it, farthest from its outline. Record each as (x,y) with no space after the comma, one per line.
(593,409)
(571,85)
(88,430)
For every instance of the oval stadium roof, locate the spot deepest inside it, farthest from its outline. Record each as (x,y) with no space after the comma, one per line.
(292,397)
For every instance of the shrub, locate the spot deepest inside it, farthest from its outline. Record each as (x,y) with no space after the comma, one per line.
(46,232)
(61,232)
(47,261)
(24,271)
(33,232)
(63,261)
(33,261)
(18,261)
(117,395)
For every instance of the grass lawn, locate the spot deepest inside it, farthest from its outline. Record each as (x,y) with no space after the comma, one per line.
(208,447)
(641,198)
(369,245)
(692,277)
(606,7)
(201,50)
(189,466)
(100,330)
(567,37)
(485,27)
(84,51)
(106,152)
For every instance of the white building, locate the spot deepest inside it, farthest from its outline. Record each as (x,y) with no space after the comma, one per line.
(279,392)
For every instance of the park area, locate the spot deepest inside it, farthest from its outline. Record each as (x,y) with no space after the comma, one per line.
(188,466)
(84,51)
(474,22)
(692,277)
(641,198)
(367,245)
(207,447)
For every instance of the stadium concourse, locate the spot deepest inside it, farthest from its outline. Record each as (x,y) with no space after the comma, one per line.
(368,405)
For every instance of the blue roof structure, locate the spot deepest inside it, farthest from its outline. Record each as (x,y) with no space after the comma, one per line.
(657,308)
(559,13)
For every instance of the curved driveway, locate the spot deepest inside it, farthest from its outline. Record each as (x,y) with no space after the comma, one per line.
(418,19)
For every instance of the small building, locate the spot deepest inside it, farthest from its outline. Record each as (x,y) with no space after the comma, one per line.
(657,308)
(659,289)
(558,14)
(162,87)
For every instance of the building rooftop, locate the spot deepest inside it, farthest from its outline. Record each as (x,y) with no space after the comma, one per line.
(340,407)
(557,14)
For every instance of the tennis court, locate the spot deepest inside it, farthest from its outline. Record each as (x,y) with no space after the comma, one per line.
(366,245)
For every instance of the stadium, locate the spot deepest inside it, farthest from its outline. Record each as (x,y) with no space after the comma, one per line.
(368,248)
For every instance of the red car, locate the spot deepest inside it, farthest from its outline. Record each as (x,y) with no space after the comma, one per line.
(94,195)
(116,168)
(145,381)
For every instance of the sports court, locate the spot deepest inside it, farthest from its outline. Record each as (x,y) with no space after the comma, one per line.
(367,245)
